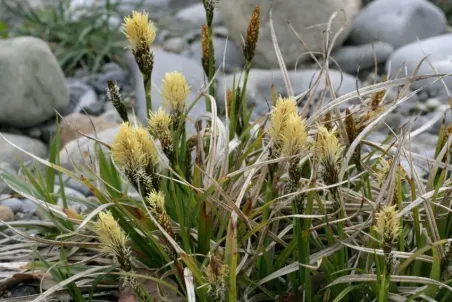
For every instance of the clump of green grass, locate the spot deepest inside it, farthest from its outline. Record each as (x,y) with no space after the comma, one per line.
(297,206)
(79,39)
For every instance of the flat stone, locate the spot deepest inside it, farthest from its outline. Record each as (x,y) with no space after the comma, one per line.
(82,154)
(77,122)
(438,51)
(176,45)
(10,154)
(6,214)
(397,22)
(350,58)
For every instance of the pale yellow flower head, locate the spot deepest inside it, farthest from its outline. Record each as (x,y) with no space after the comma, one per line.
(328,147)
(388,225)
(159,123)
(156,201)
(294,137)
(175,91)
(111,236)
(284,108)
(382,171)
(149,152)
(139,30)
(132,148)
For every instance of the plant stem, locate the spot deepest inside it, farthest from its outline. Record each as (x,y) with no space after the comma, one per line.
(147,91)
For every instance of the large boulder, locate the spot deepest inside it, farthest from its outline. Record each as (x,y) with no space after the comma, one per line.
(397,22)
(438,51)
(305,17)
(32,83)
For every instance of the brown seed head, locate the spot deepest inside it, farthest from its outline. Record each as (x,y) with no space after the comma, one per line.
(252,35)
(205,48)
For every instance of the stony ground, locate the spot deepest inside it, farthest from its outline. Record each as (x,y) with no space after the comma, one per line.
(394,34)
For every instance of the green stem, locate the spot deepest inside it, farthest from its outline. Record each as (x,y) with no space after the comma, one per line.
(147,91)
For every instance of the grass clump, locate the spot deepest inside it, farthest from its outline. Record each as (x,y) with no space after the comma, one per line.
(83,38)
(291,207)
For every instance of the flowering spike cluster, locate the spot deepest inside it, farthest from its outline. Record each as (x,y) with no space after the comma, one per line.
(205,49)
(387,226)
(114,96)
(175,91)
(133,150)
(382,171)
(139,30)
(294,139)
(216,273)
(113,239)
(156,201)
(209,6)
(284,108)
(328,147)
(141,34)
(159,124)
(252,35)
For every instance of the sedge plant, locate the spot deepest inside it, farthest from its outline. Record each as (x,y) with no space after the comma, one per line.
(293,207)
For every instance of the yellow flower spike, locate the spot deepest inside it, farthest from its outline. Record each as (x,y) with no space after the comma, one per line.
(295,137)
(125,149)
(175,91)
(159,123)
(388,225)
(148,151)
(139,30)
(133,149)
(382,171)
(156,201)
(111,236)
(284,108)
(328,147)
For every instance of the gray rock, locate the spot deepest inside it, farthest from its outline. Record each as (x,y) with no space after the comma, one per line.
(77,89)
(407,58)
(397,22)
(7,168)
(176,45)
(112,66)
(90,104)
(168,62)
(196,15)
(119,77)
(233,56)
(48,130)
(81,153)
(18,205)
(350,58)
(72,197)
(32,83)
(73,184)
(260,81)
(309,18)
(14,156)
